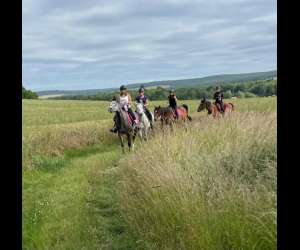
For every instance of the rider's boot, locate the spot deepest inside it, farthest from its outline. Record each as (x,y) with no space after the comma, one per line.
(151,124)
(222,108)
(113,130)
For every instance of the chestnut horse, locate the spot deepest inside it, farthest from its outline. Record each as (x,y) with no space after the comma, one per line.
(167,115)
(213,109)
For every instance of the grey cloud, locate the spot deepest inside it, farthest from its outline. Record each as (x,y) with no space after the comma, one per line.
(87,44)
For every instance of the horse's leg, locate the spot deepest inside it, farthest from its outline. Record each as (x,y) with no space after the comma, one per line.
(133,139)
(122,142)
(214,113)
(171,125)
(140,133)
(129,141)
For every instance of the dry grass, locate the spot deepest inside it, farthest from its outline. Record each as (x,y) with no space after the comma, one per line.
(212,187)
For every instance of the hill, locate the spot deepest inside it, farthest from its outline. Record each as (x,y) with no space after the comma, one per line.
(194,82)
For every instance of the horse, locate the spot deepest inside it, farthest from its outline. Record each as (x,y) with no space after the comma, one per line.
(145,124)
(125,127)
(213,109)
(167,114)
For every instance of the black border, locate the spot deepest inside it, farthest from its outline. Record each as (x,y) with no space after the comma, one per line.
(11,136)
(288,110)
(288,126)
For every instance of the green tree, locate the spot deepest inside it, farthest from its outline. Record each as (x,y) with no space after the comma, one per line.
(240,94)
(28,94)
(227,94)
(249,95)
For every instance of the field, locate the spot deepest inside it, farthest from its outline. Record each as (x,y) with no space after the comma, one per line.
(210,187)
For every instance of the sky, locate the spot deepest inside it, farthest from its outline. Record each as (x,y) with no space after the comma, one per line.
(94,44)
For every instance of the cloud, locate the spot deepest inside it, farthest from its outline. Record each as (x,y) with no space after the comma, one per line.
(74,44)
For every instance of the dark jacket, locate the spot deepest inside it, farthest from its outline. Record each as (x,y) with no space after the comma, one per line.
(172,101)
(141,99)
(218,96)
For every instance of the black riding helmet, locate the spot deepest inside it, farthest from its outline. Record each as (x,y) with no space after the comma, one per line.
(123,88)
(172,91)
(141,89)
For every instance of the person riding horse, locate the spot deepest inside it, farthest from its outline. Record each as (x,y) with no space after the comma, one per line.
(173,102)
(218,96)
(125,100)
(141,98)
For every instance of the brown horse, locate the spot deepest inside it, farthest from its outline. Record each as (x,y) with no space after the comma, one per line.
(213,109)
(167,115)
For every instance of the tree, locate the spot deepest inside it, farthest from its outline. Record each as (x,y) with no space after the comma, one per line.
(249,95)
(28,94)
(240,94)
(228,94)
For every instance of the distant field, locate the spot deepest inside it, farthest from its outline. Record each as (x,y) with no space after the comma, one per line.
(212,187)
(48,96)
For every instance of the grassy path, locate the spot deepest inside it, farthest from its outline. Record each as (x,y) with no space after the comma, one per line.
(74,206)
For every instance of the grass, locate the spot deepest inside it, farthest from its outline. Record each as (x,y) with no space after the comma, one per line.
(212,187)
(70,203)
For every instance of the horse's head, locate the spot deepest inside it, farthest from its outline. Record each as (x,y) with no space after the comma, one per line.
(202,105)
(113,106)
(139,108)
(157,113)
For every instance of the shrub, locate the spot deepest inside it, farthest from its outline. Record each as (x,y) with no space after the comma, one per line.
(249,95)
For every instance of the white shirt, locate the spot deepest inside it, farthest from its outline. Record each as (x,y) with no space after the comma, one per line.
(124,100)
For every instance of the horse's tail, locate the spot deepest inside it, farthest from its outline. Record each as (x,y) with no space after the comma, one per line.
(231,106)
(186,107)
(187,111)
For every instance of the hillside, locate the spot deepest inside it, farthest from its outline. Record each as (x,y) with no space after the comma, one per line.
(194,82)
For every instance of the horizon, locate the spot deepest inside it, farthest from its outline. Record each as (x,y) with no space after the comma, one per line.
(78,45)
(153,81)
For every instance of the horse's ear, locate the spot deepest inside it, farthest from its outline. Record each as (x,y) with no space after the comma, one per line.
(159,106)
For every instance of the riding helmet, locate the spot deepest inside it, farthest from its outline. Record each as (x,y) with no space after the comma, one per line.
(123,88)
(141,89)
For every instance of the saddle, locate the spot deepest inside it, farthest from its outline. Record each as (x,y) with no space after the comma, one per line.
(126,115)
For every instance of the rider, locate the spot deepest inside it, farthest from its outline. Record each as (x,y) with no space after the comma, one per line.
(218,96)
(125,99)
(141,98)
(173,102)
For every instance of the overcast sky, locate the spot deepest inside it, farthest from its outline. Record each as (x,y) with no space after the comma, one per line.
(86,44)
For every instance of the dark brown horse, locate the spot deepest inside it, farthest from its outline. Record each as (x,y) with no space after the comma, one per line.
(213,109)
(167,115)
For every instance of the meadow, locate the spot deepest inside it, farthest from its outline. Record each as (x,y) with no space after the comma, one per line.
(210,187)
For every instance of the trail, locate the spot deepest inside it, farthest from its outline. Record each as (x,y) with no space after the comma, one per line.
(75,206)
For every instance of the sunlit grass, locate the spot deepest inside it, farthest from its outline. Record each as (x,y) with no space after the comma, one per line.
(210,187)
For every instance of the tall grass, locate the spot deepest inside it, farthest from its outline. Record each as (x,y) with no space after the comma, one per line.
(211,187)
(51,127)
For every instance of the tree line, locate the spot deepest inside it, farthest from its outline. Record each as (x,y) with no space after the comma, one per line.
(28,94)
(239,90)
